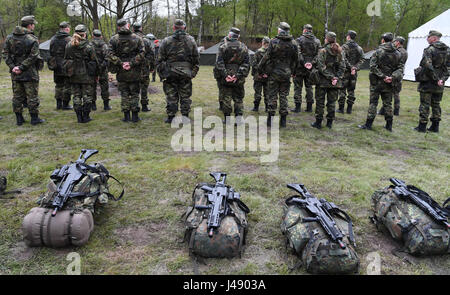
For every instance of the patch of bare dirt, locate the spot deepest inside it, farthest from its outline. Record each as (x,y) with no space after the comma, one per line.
(398,153)
(141,235)
(22,252)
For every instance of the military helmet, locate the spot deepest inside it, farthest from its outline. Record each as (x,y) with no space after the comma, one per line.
(387,37)
(266,40)
(122,22)
(64,25)
(352,34)
(235,31)
(435,33)
(284,26)
(28,20)
(331,36)
(400,39)
(137,26)
(80,29)
(179,23)
(97,33)
(308,27)
(150,36)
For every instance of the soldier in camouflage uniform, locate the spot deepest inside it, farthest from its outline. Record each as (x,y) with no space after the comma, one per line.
(432,77)
(178,63)
(147,67)
(260,83)
(126,55)
(101,51)
(386,70)
(219,79)
(354,56)
(82,64)
(155,47)
(21,54)
(232,67)
(309,47)
(398,43)
(330,63)
(62,82)
(280,62)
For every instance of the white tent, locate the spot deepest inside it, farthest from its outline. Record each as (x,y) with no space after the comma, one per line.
(417,42)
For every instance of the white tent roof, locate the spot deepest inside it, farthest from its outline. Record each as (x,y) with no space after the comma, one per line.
(417,42)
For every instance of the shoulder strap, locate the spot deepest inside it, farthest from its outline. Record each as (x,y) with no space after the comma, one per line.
(121,194)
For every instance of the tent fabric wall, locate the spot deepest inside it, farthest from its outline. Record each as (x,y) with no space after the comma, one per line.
(208,57)
(417,42)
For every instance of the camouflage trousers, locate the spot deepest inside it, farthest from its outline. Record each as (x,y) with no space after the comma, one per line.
(145,82)
(62,88)
(278,90)
(220,87)
(347,92)
(299,80)
(261,88)
(236,94)
(178,92)
(25,92)
(427,100)
(82,96)
(386,97)
(397,97)
(104,87)
(331,97)
(129,93)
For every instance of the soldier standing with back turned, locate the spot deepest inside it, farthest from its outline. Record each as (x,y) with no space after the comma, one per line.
(101,51)
(260,84)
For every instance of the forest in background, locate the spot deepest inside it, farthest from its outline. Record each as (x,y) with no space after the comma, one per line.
(209,20)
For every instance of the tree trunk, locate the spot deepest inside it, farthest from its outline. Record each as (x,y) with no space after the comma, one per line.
(200,29)
(370,31)
(168,18)
(234,13)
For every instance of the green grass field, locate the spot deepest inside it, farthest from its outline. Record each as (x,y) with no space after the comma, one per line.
(141,233)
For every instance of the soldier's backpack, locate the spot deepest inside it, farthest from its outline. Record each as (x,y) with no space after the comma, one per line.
(65,213)
(216,223)
(320,233)
(413,218)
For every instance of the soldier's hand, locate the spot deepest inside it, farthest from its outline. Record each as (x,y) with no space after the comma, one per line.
(308,65)
(16,71)
(265,76)
(334,81)
(388,80)
(440,82)
(126,66)
(353,71)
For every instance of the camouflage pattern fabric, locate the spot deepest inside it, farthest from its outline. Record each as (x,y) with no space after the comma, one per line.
(407,223)
(319,254)
(82,55)
(427,101)
(354,58)
(57,50)
(101,51)
(331,98)
(178,92)
(260,84)
(147,67)
(62,88)
(25,92)
(129,93)
(261,89)
(299,80)
(386,98)
(82,96)
(103,81)
(234,94)
(278,91)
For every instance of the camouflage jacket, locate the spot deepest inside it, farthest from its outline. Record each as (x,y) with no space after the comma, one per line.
(233,59)
(281,58)
(21,49)
(308,46)
(101,51)
(180,53)
(354,56)
(126,46)
(149,64)
(386,62)
(330,65)
(259,54)
(434,62)
(82,61)
(57,49)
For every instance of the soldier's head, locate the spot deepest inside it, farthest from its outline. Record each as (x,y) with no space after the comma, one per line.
(28,22)
(433,36)
(81,30)
(150,37)
(351,35)
(97,33)
(330,38)
(284,29)
(137,27)
(123,23)
(265,42)
(179,25)
(307,28)
(64,27)
(387,37)
(234,33)
(399,41)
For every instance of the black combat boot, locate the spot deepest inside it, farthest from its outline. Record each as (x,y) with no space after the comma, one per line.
(94,106)
(255,107)
(66,106)
(283,121)
(367,125)
(349,108)
(434,126)
(309,107)
(79,116)
(317,124)
(422,127)
(145,108)
(35,119)
(388,125)
(19,118)
(269,120)
(169,119)
(381,111)
(341,108)
(298,108)
(86,111)
(135,117)
(397,112)
(126,117)
(106,106)
(329,123)
(58,104)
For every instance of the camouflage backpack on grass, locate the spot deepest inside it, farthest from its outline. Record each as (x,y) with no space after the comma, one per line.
(212,235)
(309,239)
(398,216)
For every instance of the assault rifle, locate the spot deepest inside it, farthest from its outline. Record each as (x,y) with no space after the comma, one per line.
(218,197)
(68,177)
(421,200)
(321,211)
